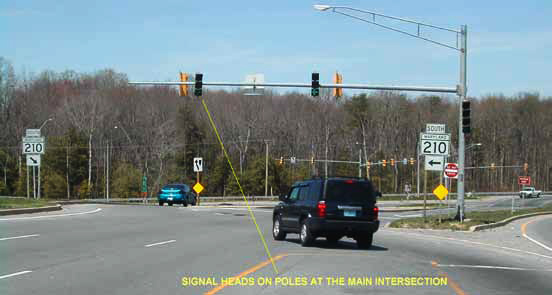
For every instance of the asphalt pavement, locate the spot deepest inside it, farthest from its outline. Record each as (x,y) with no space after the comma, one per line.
(110,249)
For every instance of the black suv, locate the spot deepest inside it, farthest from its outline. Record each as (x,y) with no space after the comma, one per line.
(328,207)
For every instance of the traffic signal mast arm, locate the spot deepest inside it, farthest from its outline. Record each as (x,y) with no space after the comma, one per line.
(309,85)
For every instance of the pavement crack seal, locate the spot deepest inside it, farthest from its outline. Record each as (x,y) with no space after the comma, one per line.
(239,185)
(453,285)
(246,272)
(524,233)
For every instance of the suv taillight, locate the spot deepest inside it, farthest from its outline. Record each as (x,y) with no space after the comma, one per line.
(376,213)
(322,209)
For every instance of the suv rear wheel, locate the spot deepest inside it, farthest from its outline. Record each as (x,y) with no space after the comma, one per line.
(305,234)
(277,232)
(185,204)
(365,241)
(160,203)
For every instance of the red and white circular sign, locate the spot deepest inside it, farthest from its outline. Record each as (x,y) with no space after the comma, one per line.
(451,170)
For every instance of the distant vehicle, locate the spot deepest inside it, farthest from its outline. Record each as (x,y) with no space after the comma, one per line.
(330,208)
(529,192)
(176,194)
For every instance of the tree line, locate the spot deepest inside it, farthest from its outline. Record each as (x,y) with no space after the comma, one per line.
(103,126)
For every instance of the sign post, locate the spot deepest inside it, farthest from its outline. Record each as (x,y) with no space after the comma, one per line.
(435,146)
(198,167)
(33,148)
(145,188)
(441,192)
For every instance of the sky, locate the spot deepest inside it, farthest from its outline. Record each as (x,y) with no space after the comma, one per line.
(509,42)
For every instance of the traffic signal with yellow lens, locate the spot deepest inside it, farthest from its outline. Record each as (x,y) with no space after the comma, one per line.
(183,88)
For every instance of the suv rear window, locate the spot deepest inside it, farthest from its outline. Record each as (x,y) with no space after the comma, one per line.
(349,191)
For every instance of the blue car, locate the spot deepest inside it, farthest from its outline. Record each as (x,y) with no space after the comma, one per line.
(176,194)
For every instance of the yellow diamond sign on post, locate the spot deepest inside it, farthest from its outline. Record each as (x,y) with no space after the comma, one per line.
(441,192)
(198,187)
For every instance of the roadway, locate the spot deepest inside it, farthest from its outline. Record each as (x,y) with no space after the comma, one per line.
(110,249)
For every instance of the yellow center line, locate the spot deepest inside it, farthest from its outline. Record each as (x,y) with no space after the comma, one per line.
(239,185)
(453,285)
(244,273)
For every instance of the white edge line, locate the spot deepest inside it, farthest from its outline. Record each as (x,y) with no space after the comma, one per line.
(471,242)
(492,267)
(160,243)
(537,242)
(50,216)
(19,237)
(15,274)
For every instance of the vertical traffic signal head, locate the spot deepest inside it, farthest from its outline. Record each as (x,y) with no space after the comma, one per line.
(393,162)
(338,79)
(368,163)
(281,160)
(411,161)
(526,167)
(384,163)
(466,116)
(312,160)
(183,88)
(315,85)
(198,91)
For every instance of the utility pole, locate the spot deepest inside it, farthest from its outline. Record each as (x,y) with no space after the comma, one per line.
(360,163)
(461,141)
(107,173)
(67,172)
(326,162)
(266,169)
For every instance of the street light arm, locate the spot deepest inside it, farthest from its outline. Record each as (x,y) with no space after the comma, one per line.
(399,31)
(44,123)
(393,18)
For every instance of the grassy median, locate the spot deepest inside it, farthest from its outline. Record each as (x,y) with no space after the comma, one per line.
(421,198)
(14,203)
(472,218)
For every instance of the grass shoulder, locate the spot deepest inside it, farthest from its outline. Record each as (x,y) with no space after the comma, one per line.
(473,218)
(15,203)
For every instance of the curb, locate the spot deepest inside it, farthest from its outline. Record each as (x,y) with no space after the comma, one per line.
(29,210)
(505,221)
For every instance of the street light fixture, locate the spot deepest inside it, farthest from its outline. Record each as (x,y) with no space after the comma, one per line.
(321,7)
(461,88)
(44,123)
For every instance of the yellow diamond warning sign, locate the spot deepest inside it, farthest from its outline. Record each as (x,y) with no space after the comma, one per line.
(198,187)
(441,192)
